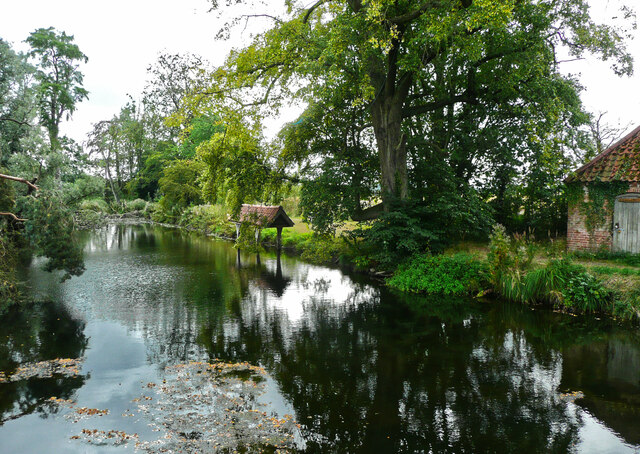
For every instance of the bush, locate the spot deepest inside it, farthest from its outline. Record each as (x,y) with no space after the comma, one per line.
(560,282)
(207,219)
(97,205)
(507,257)
(135,205)
(456,275)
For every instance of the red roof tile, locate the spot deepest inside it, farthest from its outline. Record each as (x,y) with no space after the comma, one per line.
(263,215)
(619,162)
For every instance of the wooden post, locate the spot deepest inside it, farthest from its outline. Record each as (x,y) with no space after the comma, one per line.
(258,232)
(237,230)
(279,239)
(278,266)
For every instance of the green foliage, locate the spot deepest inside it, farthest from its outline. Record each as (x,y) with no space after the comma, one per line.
(237,168)
(559,282)
(135,205)
(50,230)
(9,293)
(85,187)
(598,203)
(509,260)
(312,247)
(97,205)
(585,293)
(456,275)
(59,86)
(413,227)
(16,102)
(207,219)
(180,186)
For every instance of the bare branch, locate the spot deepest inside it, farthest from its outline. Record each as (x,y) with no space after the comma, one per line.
(268,16)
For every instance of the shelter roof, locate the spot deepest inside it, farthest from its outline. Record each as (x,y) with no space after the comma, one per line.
(264,216)
(619,162)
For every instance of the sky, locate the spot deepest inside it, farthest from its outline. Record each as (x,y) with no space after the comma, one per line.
(122,38)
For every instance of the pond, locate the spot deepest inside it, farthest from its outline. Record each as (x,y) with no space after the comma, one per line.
(174,342)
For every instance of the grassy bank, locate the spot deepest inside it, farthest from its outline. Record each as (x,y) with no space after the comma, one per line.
(521,271)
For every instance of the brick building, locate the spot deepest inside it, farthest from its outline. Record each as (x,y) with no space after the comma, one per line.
(619,167)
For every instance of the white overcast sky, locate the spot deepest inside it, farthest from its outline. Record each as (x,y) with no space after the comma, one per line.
(123,37)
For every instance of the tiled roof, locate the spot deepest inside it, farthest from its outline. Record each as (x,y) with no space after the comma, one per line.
(619,162)
(262,215)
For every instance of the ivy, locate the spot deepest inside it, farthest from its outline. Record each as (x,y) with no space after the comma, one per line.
(599,205)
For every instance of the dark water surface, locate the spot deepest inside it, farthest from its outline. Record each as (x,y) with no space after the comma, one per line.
(360,368)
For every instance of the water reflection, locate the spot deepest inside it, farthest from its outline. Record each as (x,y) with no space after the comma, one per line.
(41,333)
(364,369)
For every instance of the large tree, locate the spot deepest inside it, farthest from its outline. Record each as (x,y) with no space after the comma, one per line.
(416,60)
(59,87)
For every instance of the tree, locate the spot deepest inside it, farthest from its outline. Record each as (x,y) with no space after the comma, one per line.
(59,87)
(411,60)
(16,101)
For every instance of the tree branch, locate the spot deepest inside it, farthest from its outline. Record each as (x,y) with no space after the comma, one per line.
(368,214)
(21,180)
(311,10)
(409,17)
(11,215)
(435,105)
(13,120)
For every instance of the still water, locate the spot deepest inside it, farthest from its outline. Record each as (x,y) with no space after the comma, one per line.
(358,367)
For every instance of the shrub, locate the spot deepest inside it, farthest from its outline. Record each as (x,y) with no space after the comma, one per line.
(509,260)
(456,275)
(560,282)
(97,205)
(207,219)
(135,205)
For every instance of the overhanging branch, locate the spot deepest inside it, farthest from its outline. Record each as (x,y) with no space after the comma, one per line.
(11,215)
(31,184)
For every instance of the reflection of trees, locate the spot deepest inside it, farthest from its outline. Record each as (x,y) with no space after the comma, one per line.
(363,372)
(378,378)
(43,332)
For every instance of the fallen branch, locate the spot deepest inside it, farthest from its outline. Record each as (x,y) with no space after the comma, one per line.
(20,180)
(11,215)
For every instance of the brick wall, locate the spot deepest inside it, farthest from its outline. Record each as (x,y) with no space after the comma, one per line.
(579,239)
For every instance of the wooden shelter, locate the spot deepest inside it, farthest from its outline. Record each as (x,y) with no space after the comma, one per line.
(263,217)
(617,167)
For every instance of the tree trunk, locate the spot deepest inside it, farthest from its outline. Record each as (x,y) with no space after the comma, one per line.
(392,150)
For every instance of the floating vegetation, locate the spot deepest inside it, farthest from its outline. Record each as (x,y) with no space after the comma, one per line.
(572,396)
(101,437)
(214,407)
(83,412)
(44,369)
